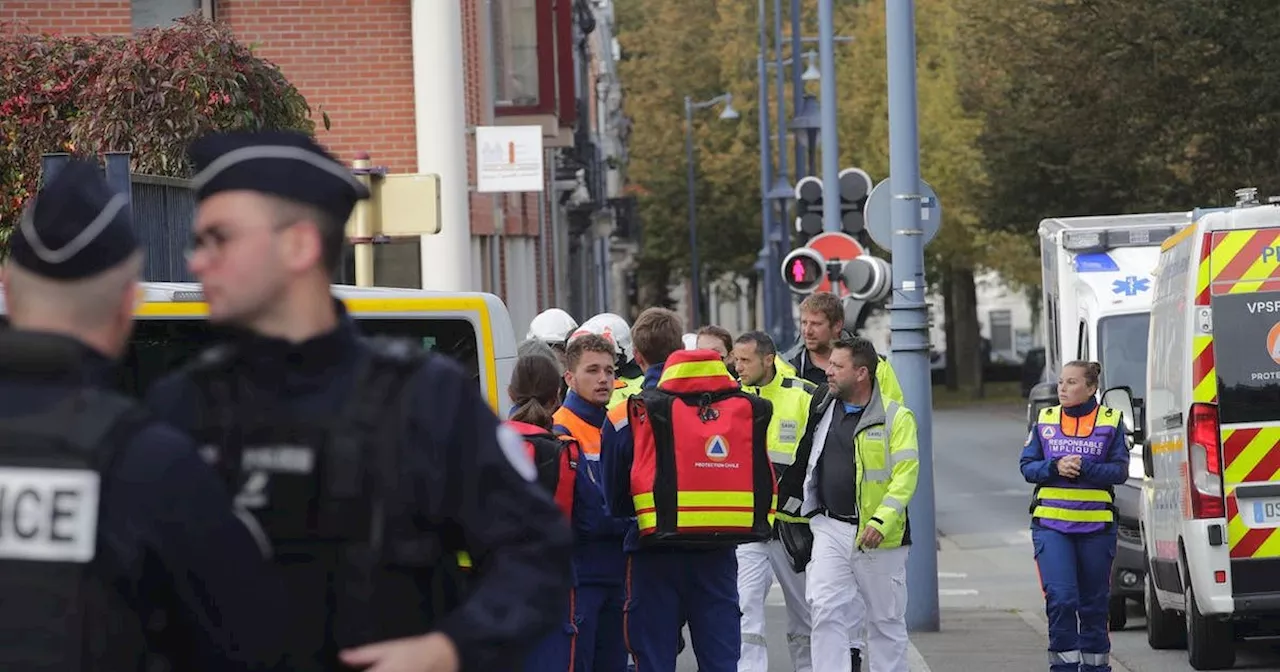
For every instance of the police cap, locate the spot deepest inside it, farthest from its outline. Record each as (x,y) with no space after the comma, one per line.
(285,164)
(76,227)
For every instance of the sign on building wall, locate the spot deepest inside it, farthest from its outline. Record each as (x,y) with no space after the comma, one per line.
(509,158)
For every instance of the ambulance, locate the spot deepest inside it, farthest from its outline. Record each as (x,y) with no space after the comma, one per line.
(472,328)
(1096,303)
(1211,410)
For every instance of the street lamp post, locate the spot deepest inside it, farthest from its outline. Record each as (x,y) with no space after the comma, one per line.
(694,267)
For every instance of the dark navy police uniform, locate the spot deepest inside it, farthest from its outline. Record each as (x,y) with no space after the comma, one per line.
(370,464)
(119,549)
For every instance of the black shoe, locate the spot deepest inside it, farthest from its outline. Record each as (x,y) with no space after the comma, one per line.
(856,654)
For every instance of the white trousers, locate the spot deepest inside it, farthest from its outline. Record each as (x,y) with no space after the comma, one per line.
(758,564)
(836,573)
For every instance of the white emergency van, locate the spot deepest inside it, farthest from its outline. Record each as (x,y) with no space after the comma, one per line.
(1211,411)
(1096,302)
(472,328)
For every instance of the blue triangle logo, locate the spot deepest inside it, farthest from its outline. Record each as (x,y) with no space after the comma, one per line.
(717,448)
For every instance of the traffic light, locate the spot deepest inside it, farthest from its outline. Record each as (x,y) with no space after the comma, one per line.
(855,187)
(809,206)
(803,270)
(867,278)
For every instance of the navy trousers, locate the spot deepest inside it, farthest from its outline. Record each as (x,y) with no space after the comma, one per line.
(1075,572)
(666,588)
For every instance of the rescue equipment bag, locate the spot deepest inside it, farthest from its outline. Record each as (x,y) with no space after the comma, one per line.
(59,611)
(359,563)
(556,458)
(701,475)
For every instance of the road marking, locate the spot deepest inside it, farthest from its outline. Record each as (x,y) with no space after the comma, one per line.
(956,592)
(915,661)
(952,575)
(1038,624)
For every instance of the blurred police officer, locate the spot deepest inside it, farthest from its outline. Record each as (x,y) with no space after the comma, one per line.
(115,538)
(365,478)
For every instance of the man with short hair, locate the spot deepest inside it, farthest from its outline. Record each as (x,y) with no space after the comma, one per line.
(821,323)
(761,562)
(597,556)
(143,563)
(666,586)
(370,465)
(861,462)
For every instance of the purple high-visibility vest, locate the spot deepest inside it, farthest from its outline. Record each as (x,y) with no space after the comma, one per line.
(1066,506)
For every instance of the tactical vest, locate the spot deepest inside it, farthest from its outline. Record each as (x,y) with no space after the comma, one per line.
(700,474)
(59,612)
(556,459)
(1069,506)
(328,495)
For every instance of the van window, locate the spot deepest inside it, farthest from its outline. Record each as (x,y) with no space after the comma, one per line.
(1246,356)
(160,346)
(1122,352)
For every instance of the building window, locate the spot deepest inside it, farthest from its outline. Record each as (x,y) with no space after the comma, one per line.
(161,13)
(515,53)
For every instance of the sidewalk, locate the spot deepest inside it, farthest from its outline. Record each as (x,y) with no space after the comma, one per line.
(980,640)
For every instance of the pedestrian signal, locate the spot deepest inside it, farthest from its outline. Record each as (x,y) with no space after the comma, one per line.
(804,270)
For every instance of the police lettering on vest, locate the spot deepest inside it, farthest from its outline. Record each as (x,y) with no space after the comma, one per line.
(48,515)
(1061,504)
(701,475)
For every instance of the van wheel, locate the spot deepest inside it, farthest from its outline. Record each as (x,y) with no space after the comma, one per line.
(1165,627)
(1211,642)
(1117,614)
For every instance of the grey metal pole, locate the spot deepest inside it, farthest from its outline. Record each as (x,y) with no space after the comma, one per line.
(771,281)
(797,84)
(781,296)
(695,296)
(909,314)
(830,146)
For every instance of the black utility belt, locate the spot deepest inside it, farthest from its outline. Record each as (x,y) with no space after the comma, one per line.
(851,519)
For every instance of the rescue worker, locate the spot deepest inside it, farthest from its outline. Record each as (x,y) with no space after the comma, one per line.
(1075,456)
(135,530)
(295,406)
(553,326)
(760,563)
(598,555)
(535,388)
(861,462)
(693,414)
(628,375)
(713,337)
(821,323)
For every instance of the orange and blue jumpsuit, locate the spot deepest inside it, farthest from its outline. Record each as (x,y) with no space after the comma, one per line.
(597,549)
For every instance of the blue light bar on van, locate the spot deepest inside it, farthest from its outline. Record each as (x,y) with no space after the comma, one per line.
(1100,240)
(185,296)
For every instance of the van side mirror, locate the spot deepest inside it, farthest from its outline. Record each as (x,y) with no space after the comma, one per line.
(1121,399)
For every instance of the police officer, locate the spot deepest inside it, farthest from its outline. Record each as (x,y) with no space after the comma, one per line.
(102,507)
(368,465)
(861,463)
(1076,456)
(759,563)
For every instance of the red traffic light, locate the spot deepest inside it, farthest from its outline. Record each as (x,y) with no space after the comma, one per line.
(804,270)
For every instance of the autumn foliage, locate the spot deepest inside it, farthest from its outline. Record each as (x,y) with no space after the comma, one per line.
(149,94)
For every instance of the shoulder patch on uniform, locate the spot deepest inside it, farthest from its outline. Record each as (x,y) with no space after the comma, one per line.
(512,446)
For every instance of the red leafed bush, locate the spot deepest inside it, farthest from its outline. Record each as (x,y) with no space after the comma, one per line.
(150,94)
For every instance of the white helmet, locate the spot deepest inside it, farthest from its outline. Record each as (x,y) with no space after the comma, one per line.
(614,328)
(552,326)
(690,341)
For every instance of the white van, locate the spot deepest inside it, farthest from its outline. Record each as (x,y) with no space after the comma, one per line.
(472,328)
(1211,416)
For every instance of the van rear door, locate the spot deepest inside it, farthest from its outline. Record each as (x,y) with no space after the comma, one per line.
(1244,283)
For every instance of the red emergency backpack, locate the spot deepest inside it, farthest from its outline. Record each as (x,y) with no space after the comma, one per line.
(556,458)
(701,474)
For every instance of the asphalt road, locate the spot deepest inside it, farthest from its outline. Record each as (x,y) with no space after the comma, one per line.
(985,557)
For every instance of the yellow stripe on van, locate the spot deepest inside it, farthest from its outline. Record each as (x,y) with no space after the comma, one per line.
(1178,237)
(375,307)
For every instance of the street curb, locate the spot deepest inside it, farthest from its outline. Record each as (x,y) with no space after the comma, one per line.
(1039,625)
(917,663)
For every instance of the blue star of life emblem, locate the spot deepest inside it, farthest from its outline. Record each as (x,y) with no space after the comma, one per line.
(1130,286)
